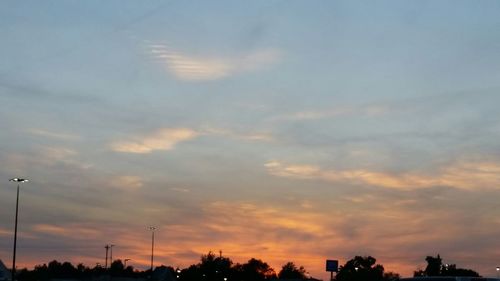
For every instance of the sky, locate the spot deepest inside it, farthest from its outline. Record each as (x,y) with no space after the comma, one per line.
(280,130)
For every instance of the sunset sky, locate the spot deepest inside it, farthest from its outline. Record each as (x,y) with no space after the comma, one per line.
(281,130)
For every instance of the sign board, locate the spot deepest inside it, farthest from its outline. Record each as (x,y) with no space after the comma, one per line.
(332,265)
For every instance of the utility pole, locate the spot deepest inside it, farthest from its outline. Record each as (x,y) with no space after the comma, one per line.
(106,262)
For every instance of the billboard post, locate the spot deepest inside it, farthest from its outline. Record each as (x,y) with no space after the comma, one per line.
(332,266)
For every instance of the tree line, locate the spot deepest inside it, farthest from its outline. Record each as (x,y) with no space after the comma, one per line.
(210,268)
(220,268)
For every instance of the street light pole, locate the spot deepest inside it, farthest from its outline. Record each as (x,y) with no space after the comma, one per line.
(106,262)
(111,255)
(19,181)
(152,229)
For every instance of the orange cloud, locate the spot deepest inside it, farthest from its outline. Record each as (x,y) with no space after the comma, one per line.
(306,231)
(464,175)
(164,139)
(66,230)
(4,232)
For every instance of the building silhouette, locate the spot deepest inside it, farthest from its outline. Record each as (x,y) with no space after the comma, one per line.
(4,272)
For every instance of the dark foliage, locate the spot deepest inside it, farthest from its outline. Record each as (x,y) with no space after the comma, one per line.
(65,270)
(291,271)
(253,270)
(362,269)
(435,267)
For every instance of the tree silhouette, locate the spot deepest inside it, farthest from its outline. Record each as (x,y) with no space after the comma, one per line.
(41,272)
(61,270)
(254,270)
(362,269)
(210,268)
(193,272)
(118,269)
(65,270)
(391,276)
(452,270)
(291,271)
(435,267)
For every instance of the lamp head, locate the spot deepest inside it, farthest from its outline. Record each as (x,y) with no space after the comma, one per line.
(19,180)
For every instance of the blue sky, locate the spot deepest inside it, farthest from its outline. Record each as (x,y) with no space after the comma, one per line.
(271,129)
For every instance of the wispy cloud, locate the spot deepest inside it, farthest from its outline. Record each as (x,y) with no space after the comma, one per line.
(48,157)
(266,217)
(51,229)
(252,136)
(167,139)
(4,232)
(128,182)
(53,135)
(464,175)
(315,114)
(57,154)
(179,189)
(67,230)
(187,67)
(164,139)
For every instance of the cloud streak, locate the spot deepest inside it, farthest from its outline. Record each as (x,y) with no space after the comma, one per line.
(199,68)
(463,175)
(128,182)
(65,231)
(164,139)
(53,135)
(265,137)
(167,138)
(318,114)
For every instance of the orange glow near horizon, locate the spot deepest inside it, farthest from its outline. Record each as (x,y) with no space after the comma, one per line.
(274,250)
(305,230)
(314,264)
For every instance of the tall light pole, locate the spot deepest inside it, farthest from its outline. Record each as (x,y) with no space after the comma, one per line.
(106,262)
(19,181)
(111,254)
(152,229)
